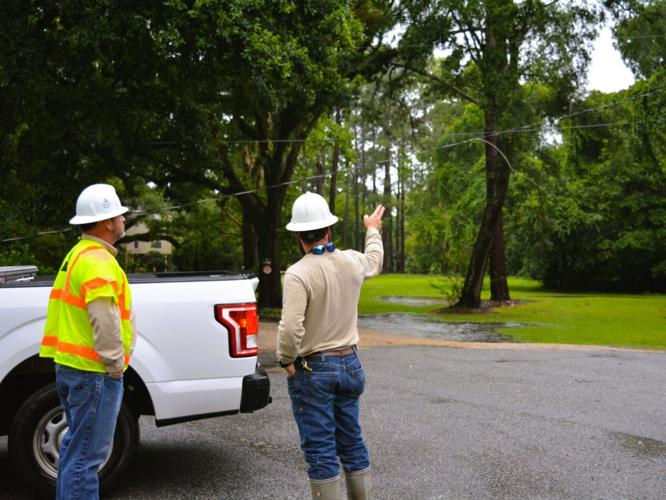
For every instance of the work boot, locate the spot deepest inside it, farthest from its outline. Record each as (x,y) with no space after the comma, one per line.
(325,489)
(358,484)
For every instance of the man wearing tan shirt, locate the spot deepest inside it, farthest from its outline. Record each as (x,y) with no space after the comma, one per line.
(317,338)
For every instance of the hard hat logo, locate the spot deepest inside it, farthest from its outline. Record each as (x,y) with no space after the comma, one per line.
(97,202)
(310,211)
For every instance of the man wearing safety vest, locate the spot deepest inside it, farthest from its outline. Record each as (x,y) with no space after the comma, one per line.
(89,333)
(316,345)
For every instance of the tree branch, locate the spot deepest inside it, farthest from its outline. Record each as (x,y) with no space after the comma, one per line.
(439,81)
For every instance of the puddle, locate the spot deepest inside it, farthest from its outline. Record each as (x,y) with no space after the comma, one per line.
(643,446)
(414,301)
(418,325)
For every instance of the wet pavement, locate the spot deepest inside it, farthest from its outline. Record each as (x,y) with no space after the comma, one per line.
(440,423)
(420,325)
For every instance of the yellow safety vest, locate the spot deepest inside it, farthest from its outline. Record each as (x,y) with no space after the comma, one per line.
(88,272)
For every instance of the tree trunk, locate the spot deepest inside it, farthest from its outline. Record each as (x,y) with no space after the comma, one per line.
(387,226)
(357,212)
(345,219)
(401,226)
(270,288)
(500,81)
(499,287)
(334,166)
(497,182)
(319,180)
(249,245)
(360,167)
(266,219)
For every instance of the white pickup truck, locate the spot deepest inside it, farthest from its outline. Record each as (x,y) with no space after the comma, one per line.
(195,357)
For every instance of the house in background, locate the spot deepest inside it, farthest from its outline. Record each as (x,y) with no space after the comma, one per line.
(145,255)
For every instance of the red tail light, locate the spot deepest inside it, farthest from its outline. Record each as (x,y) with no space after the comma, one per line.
(242,323)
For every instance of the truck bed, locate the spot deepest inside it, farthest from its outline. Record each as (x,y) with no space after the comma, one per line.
(174,277)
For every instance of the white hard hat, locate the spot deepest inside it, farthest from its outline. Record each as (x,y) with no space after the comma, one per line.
(310,211)
(97,202)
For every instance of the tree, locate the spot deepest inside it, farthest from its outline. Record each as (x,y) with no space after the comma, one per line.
(216,94)
(639,33)
(490,46)
(387,122)
(274,69)
(447,197)
(602,228)
(83,95)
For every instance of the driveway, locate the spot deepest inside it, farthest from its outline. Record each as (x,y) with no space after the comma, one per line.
(504,421)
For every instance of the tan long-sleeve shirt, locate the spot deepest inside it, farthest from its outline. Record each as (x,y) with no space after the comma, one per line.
(320,299)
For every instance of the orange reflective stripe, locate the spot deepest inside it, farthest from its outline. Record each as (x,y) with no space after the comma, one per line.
(49,341)
(76,350)
(63,293)
(97,283)
(76,259)
(69,348)
(96,246)
(124,312)
(68,298)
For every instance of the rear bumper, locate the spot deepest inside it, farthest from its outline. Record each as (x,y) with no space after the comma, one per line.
(256,392)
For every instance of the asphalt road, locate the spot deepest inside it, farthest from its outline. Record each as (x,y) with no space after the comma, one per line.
(439,423)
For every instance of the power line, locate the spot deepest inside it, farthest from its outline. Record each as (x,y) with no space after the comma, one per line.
(537,126)
(503,156)
(249,141)
(532,127)
(172,208)
(41,233)
(472,136)
(619,37)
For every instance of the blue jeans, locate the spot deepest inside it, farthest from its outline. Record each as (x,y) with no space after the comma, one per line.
(91,402)
(325,403)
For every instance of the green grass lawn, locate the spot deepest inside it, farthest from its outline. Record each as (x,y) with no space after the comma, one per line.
(637,321)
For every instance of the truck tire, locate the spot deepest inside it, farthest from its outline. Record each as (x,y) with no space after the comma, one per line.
(37,430)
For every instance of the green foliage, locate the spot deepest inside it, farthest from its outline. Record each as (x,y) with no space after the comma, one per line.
(151,262)
(450,288)
(640,36)
(490,48)
(586,215)
(444,206)
(17,255)
(599,225)
(175,102)
(207,239)
(175,93)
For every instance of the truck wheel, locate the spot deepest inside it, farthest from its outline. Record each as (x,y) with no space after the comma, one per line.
(36,433)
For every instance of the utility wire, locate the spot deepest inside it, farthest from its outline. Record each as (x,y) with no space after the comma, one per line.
(473,136)
(619,37)
(41,233)
(532,127)
(141,213)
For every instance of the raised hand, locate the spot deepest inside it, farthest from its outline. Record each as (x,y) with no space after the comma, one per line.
(374,220)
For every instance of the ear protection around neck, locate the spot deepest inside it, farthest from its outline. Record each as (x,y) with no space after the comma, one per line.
(320,249)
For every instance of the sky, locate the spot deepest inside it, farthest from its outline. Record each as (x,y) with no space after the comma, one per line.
(607,71)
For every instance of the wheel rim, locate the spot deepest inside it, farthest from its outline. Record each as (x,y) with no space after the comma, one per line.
(47,439)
